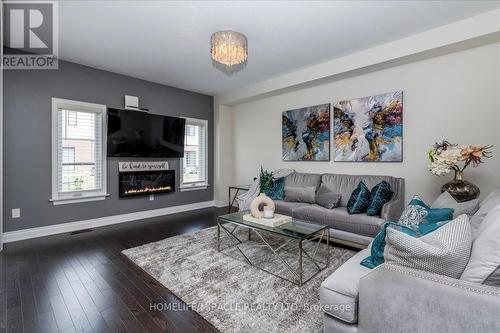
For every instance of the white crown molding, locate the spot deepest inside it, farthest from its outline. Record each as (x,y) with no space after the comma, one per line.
(13,236)
(468,33)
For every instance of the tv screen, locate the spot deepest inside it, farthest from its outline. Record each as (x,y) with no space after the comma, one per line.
(139,134)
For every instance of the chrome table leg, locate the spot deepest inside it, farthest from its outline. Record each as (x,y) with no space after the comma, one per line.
(238,242)
(300,263)
(218,236)
(327,247)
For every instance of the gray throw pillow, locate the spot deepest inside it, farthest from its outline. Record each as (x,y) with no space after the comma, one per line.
(445,200)
(485,256)
(301,194)
(445,251)
(326,198)
(489,203)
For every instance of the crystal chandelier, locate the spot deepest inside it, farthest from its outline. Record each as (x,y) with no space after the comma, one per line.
(229,50)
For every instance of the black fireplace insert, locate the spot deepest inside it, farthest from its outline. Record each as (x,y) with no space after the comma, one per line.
(146,182)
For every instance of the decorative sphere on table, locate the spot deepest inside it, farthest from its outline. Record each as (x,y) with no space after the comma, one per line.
(263,200)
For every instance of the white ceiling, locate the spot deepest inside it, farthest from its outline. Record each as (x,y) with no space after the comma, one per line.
(168,42)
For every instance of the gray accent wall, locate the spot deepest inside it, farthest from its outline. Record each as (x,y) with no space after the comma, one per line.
(27,141)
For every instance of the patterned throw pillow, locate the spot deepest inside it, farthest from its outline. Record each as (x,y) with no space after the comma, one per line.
(445,251)
(378,244)
(359,200)
(380,195)
(418,212)
(276,190)
(414,214)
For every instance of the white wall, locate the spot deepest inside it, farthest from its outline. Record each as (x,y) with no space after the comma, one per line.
(223,158)
(455,95)
(1,130)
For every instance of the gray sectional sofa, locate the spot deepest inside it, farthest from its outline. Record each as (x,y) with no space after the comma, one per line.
(355,230)
(392,299)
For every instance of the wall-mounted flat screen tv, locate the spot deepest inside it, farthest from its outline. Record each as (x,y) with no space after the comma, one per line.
(140,134)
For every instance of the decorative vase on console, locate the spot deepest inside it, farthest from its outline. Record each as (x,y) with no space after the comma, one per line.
(445,157)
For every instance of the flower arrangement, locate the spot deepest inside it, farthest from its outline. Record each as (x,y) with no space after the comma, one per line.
(445,156)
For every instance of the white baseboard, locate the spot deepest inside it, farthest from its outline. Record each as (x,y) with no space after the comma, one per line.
(13,236)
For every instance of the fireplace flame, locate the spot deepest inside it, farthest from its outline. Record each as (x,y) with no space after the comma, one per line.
(148,189)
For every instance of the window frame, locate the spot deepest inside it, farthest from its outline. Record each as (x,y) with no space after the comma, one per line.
(85,195)
(196,185)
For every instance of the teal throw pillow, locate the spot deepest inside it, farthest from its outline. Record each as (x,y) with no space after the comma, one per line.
(418,212)
(439,214)
(377,251)
(276,190)
(359,200)
(380,195)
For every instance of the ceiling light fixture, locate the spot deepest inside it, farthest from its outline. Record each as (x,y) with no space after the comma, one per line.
(229,51)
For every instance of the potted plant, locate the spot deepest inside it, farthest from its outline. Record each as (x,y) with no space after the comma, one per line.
(445,157)
(266,180)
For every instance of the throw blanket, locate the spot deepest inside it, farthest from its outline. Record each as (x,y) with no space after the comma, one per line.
(245,199)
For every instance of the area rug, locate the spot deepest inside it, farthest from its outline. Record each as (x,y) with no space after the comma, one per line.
(231,294)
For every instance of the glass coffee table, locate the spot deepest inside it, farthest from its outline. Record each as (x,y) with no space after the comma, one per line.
(289,238)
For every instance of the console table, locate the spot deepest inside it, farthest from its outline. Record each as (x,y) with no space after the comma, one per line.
(237,189)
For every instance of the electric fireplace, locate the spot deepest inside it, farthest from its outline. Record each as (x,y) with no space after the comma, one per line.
(146,182)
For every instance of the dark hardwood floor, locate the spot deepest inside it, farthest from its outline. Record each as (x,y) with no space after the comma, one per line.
(82,282)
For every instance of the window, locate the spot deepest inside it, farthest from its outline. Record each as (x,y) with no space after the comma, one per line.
(72,118)
(68,158)
(78,151)
(190,130)
(195,162)
(190,159)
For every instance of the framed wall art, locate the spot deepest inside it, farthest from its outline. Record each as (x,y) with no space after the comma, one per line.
(369,129)
(306,134)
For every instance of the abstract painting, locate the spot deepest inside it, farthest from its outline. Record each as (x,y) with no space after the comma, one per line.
(306,134)
(369,129)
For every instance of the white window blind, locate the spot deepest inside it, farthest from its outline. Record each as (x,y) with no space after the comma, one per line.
(190,159)
(72,117)
(190,130)
(78,151)
(195,164)
(68,158)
